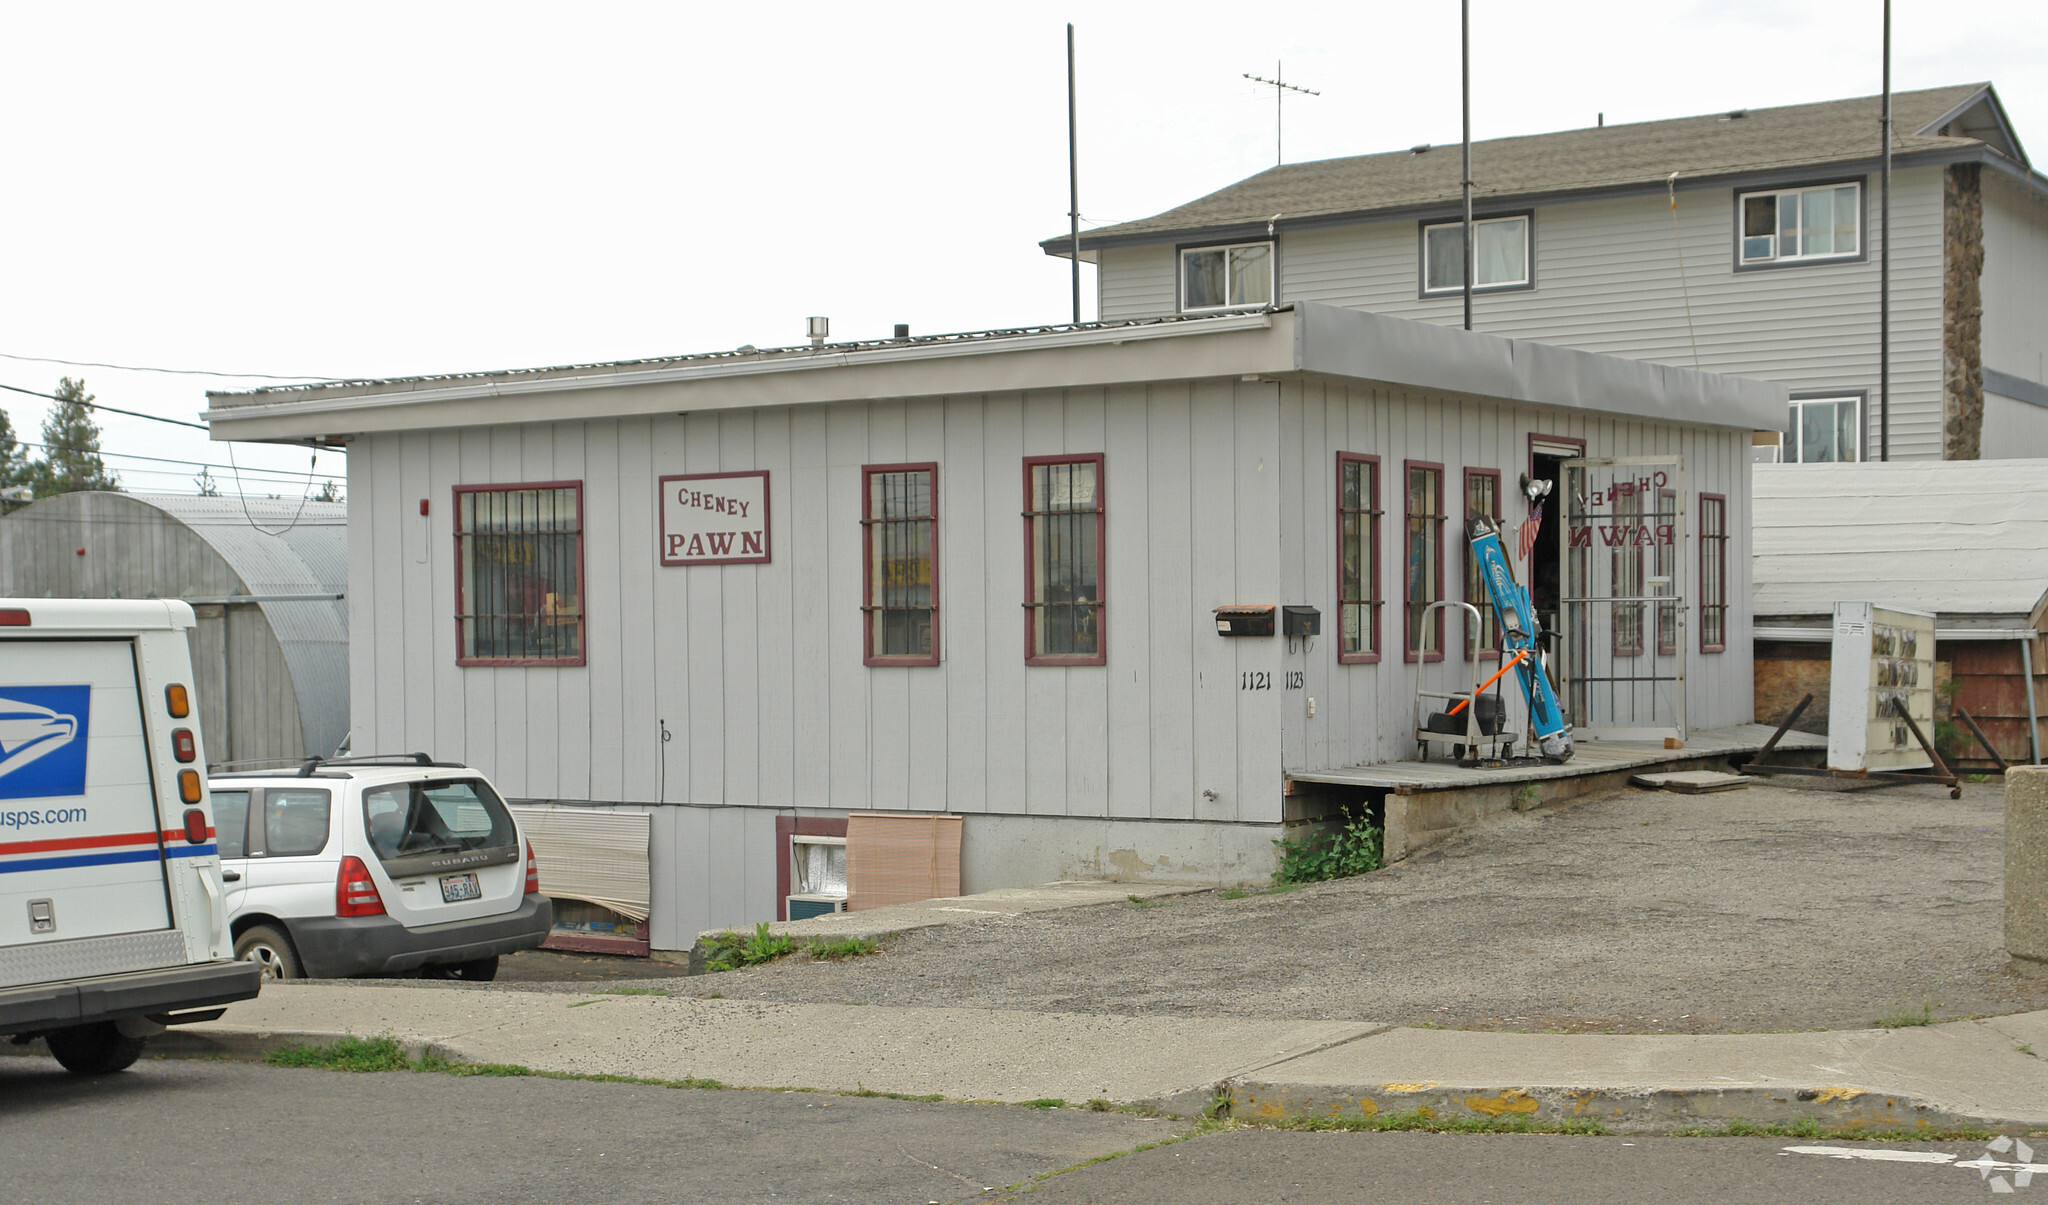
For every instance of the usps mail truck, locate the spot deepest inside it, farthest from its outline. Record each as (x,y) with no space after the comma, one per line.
(113,924)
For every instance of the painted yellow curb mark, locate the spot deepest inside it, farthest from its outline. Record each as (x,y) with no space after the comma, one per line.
(1366,1108)
(1425,1111)
(1831,1095)
(1408,1087)
(1513,1100)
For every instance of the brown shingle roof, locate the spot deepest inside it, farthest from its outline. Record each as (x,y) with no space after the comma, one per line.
(1645,153)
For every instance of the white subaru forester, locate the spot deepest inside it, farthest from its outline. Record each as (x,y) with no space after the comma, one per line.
(375,866)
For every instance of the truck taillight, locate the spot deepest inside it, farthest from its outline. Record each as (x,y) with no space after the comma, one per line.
(177,701)
(182,745)
(195,826)
(188,786)
(355,892)
(13,617)
(532,871)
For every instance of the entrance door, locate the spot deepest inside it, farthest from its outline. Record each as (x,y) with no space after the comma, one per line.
(1623,601)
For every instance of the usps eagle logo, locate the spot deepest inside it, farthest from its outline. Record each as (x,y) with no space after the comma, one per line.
(42,741)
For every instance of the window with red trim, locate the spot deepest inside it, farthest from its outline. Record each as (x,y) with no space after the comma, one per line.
(1358,558)
(519,574)
(1713,573)
(1423,564)
(1064,536)
(900,514)
(1482,497)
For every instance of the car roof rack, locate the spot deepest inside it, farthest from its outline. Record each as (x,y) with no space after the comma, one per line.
(311,764)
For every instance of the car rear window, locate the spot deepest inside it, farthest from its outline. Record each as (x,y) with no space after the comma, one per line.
(294,821)
(231,822)
(442,817)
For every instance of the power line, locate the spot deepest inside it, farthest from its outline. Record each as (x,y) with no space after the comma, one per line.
(110,409)
(197,464)
(181,372)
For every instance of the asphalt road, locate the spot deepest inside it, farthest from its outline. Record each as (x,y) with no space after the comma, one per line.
(230,1132)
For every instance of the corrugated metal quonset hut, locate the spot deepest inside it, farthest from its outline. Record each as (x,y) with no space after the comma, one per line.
(1964,540)
(265,577)
(979,575)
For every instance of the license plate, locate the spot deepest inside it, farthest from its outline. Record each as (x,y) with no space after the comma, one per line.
(458,887)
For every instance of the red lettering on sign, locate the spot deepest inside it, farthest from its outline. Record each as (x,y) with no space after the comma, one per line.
(1610,535)
(696,546)
(721,542)
(750,544)
(675,546)
(1582,537)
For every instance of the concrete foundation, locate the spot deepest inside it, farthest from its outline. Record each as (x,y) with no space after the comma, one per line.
(1000,851)
(2026,866)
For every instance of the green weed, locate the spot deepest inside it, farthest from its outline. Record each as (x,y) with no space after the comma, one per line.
(730,951)
(1808,1128)
(635,991)
(1353,849)
(1906,1017)
(1526,797)
(1428,1120)
(344,1054)
(844,948)
(1045,1102)
(1139,901)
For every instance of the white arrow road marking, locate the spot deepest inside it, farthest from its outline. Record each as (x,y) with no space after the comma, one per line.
(1881,1156)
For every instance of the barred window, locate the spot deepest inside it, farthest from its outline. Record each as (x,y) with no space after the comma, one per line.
(1628,577)
(519,574)
(1424,577)
(1664,574)
(1713,573)
(1482,498)
(1358,559)
(900,513)
(1064,532)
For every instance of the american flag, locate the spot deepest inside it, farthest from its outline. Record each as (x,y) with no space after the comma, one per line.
(1527,532)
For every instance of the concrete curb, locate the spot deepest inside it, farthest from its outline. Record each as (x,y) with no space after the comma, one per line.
(1626,1110)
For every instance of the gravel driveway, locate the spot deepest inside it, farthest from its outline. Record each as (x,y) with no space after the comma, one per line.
(1784,906)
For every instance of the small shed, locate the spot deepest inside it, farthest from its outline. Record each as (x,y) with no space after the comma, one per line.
(265,576)
(1966,540)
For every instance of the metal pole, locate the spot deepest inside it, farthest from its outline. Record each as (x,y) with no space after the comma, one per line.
(2033,716)
(1884,261)
(1465,72)
(1073,176)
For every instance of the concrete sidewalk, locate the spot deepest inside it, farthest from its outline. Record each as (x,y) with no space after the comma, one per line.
(1977,1073)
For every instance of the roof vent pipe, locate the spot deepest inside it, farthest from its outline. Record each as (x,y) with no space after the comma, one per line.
(817,330)
(1421,148)
(903,330)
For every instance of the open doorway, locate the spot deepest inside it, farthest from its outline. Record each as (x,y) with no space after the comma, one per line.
(1547,454)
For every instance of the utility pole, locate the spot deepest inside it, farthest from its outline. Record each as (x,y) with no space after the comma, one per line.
(1465,78)
(1073,176)
(1884,260)
(1280,90)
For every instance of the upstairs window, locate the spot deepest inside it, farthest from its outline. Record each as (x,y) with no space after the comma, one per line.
(899,509)
(1220,278)
(519,574)
(1064,532)
(1358,559)
(1801,224)
(1500,255)
(1824,430)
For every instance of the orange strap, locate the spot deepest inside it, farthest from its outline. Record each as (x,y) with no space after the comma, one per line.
(1512,661)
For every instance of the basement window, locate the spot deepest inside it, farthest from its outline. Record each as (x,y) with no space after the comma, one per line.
(1221,278)
(1801,224)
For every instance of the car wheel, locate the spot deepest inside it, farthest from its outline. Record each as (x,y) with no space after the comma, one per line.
(476,970)
(271,950)
(96,1049)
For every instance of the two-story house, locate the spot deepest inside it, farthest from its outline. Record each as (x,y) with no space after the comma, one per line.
(1743,242)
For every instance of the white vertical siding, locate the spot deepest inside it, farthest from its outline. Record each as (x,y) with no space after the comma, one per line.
(1607,280)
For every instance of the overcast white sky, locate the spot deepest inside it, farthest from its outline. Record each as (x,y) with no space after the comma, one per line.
(386,189)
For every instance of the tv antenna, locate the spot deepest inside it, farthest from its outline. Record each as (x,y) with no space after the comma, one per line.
(1280,90)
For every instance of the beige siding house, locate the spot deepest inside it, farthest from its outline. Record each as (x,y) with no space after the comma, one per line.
(1742,243)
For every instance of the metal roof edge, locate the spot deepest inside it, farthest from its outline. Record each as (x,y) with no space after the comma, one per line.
(1341,342)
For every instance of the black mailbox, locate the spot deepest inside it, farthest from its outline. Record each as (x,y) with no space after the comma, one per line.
(1244,621)
(1300,621)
